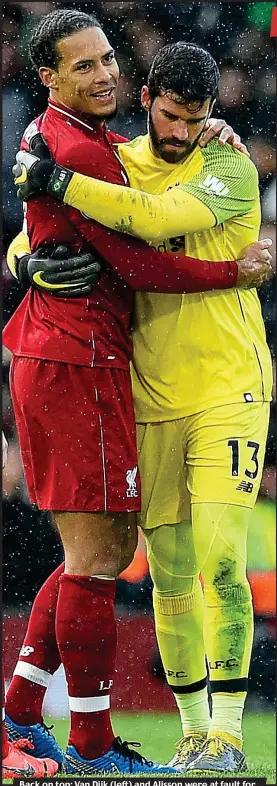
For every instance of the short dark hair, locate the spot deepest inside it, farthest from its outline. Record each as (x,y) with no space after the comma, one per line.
(52,28)
(186,70)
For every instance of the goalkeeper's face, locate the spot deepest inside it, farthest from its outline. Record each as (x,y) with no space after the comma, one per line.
(174,127)
(86,76)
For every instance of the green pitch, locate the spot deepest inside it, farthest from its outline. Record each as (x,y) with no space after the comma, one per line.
(158,734)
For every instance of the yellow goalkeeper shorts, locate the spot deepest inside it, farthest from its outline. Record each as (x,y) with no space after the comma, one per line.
(214,456)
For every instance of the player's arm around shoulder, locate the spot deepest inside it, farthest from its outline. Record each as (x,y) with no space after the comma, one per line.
(226,185)
(227,182)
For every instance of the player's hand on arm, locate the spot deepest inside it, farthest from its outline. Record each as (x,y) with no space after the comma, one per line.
(59,272)
(4,451)
(54,269)
(49,271)
(216,127)
(152,271)
(255,267)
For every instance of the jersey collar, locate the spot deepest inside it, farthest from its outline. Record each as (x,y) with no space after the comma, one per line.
(76,118)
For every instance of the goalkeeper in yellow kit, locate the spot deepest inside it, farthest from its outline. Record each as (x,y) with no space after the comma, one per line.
(202,385)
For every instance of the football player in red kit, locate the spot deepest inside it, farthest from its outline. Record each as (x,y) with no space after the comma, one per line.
(72,399)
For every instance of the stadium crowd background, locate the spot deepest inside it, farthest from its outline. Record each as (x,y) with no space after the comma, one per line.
(237,34)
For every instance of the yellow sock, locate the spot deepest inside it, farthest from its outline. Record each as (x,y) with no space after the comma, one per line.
(179,621)
(228,630)
(178,612)
(220,537)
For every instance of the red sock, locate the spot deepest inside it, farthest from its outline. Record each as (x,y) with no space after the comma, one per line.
(34,669)
(86,636)
(5,744)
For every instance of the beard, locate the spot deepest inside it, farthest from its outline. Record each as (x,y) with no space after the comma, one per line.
(181,151)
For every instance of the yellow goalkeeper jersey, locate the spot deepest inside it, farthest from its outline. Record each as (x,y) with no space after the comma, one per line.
(193,352)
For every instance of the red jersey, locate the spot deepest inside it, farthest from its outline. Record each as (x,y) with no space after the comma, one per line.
(94,330)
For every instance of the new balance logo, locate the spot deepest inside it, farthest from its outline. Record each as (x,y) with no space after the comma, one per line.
(212,185)
(245,486)
(25,651)
(131,475)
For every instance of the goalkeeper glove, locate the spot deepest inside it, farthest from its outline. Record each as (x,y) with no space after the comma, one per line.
(35,172)
(56,271)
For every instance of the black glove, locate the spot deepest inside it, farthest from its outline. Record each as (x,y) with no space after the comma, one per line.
(21,269)
(36,173)
(56,271)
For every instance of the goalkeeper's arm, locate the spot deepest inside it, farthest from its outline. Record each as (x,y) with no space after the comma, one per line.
(148,216)
(151,217)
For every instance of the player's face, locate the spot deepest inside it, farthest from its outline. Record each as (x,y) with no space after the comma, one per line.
(174,128)
(87,74)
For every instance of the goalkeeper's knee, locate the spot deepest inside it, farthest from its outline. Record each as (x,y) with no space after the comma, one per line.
(171,558)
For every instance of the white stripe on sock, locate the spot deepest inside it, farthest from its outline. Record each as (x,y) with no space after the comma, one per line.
(89,703)
(3,713)
(32,673)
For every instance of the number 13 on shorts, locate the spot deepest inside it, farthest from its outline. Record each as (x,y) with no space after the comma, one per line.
(225,461)
(234,444)
(246,464)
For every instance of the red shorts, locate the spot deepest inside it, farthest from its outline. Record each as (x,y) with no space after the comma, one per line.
(77,435)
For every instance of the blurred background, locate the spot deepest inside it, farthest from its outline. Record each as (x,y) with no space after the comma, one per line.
(237,35)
